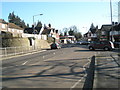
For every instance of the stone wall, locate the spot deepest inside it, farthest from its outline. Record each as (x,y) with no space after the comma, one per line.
(18,42)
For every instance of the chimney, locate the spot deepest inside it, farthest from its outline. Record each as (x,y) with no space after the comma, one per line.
(32,26)
(113,23)
(56,31)
(116,23)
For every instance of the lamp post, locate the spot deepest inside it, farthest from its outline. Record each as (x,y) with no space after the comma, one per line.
(34,26)
(85,37)
(111,10)
(112,38)
(36,15)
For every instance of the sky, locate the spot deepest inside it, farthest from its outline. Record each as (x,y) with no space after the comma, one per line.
(62,14)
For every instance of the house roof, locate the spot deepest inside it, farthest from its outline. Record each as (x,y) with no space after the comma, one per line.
(28,30)
(46,31)
(12,25)
(106,27)
(117,27)
(2,21)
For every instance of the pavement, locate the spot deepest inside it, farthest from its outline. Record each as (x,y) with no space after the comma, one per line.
(107,70)
(23,54)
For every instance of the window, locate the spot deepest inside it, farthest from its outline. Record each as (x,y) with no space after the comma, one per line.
(12,30)
(18,31)
(103,33)
(21,31)
(3,26)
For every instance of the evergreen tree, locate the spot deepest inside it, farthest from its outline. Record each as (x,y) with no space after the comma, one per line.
(38,26)
(27,26)
(78,35)
(65,30)
(12,18)
(22,25)
(92,28)
(45,27)
(49,25)
(71,32)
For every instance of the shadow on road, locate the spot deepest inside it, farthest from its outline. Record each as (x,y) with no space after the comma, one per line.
(72,72)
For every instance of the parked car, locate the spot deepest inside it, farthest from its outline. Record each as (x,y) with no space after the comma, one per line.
(105,45)
(83,42)
(55,45)
(117,44)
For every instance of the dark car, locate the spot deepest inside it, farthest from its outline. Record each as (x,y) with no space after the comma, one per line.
(55,45)
(117,44)
(105,45)
(83,42)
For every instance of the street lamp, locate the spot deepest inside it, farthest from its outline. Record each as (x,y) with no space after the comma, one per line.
(112,38)
(85,37)
(36,15)
(33,27)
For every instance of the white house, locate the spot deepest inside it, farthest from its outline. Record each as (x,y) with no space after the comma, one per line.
(15,30)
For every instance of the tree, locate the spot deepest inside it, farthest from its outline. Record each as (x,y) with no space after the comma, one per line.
(61,34)
(38,26)
(65,30)
(45,27)
(92,28)
(74,32)
(71,32)
(49,25)
(12,18)
(22,24)
(73,28)
(17,20)
(78,35)
(27,25)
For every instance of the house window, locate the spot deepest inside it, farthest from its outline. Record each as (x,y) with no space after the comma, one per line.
(3,26)
(9,29)
(18,31)
(12,30)
(103,33)
(21,31)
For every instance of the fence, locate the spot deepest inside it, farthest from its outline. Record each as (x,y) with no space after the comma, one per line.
(11,51)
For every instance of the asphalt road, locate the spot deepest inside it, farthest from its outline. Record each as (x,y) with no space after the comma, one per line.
(62,68)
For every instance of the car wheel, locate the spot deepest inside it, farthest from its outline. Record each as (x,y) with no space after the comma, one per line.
(106,48)
(91,48)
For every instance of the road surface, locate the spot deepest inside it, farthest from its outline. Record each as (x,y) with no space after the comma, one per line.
(59,68)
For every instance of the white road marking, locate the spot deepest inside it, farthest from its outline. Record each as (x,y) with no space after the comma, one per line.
(83,76)
(78,82)
(24,63)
